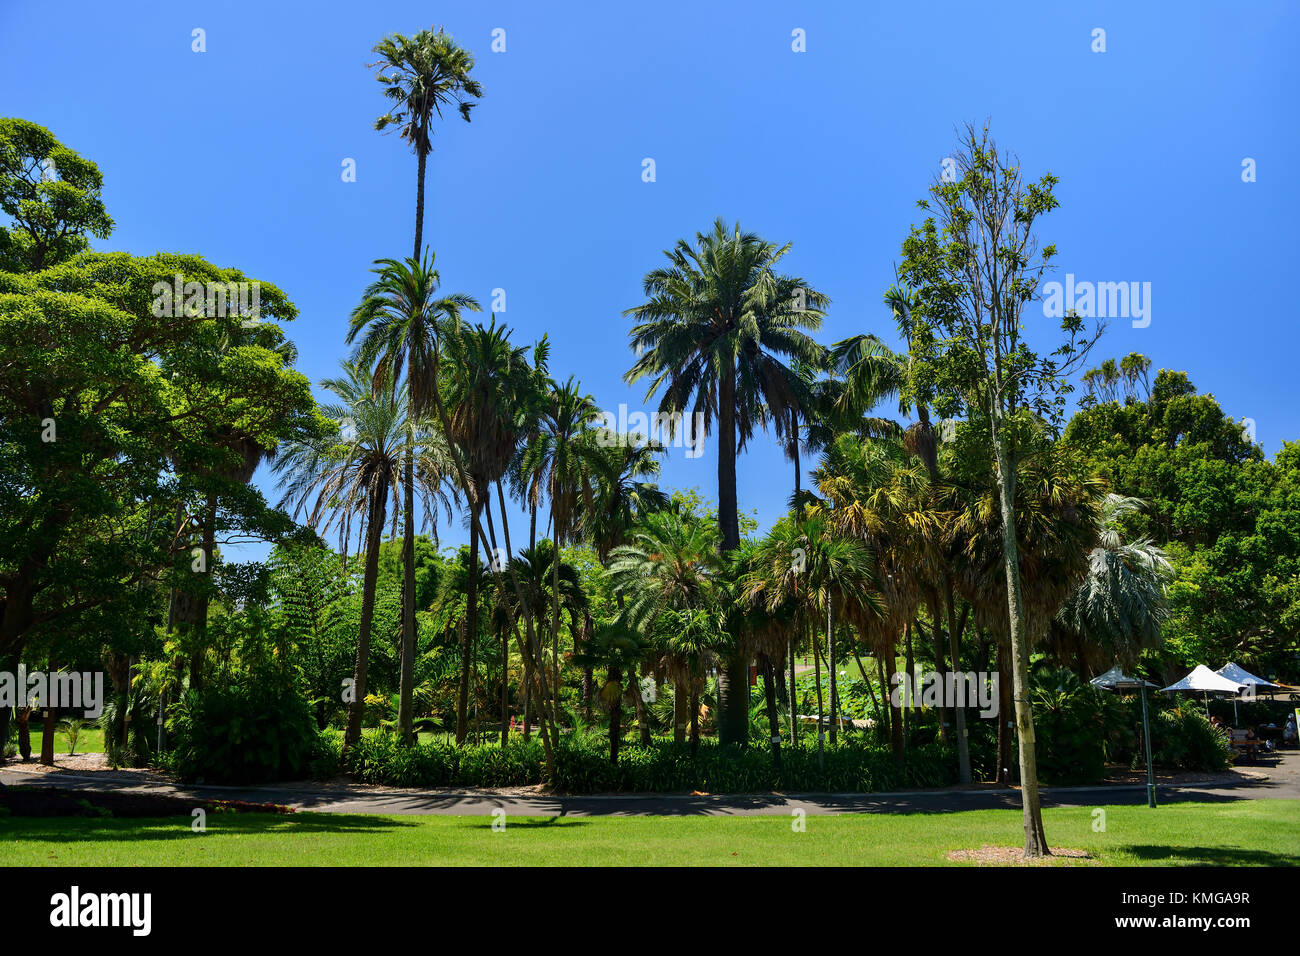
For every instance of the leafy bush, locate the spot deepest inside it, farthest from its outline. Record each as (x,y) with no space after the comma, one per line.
(1182,737)
(1073,724)
(582,766)
(246,733)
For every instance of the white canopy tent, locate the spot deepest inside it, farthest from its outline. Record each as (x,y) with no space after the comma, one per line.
(1242,676)
(1207,682)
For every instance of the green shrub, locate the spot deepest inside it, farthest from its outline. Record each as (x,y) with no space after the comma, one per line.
(246,733)
(1182,738)
(1073,724)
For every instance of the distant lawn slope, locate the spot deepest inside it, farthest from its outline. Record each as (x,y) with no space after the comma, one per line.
(1247,832)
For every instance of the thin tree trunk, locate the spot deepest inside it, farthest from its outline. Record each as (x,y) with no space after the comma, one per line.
(830,664)
(955,628)
(374,530)
(794,693)
(1035,837)
(821,726)
(467,635)
(909,723)
(681,708)
(941,668)
(773,718)
(896,716)
(406,680)
(1004,714)
(615,715)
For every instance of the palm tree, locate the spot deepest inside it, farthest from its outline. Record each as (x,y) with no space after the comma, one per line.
(480,380)
(402,320)
(566,454)
(712,335)
(618,649)
(622,495)
(423,75)
(1119,607)
(668,572)
(351,478)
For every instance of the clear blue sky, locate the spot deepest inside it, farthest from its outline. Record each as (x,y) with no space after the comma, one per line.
(236,154)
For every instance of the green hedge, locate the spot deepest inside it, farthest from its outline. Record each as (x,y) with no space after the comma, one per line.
(582,766)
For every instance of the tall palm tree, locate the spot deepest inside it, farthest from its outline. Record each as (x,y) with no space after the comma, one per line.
(713,336)
(423,75)
(350,480)
(481,378)
(566,453)
(401,321)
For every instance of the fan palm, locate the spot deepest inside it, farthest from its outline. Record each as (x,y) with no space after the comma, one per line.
(423,75)
(1119,607)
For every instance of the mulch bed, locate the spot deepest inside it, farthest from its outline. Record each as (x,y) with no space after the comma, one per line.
(1015,856)
(57,802)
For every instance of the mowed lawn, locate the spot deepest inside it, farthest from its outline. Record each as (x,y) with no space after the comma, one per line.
(1247,832)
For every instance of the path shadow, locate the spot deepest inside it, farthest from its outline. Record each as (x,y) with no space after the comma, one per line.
(1209,856)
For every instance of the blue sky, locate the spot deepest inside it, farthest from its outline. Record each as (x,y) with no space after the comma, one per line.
(236,154)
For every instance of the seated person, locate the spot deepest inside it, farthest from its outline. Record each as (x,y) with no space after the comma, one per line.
(1289,731)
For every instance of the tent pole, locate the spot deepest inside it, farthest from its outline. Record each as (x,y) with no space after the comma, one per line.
(1146,733)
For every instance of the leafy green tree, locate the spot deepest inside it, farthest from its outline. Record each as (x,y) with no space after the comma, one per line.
(976,265)
(51,195)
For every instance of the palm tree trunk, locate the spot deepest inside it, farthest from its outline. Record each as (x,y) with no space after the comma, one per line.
(941,668)
(887,716)
(467,635)
(681,707)
(773,718)
(47,733)
(374,530)
(821,727)
(733,678)
(615,715)
(794,693)
(695,719)
(421,159)
(642,714)
(555,626)
(954,650)
(406,681)
(895,718)
(909,662)
(830,663)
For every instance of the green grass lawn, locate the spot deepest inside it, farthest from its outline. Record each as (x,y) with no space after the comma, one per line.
(89,741)
(1247,832)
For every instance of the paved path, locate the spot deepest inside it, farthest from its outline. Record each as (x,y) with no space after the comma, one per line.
(1283,782)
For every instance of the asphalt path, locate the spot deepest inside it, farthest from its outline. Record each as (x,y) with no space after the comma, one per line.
(1283,782)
